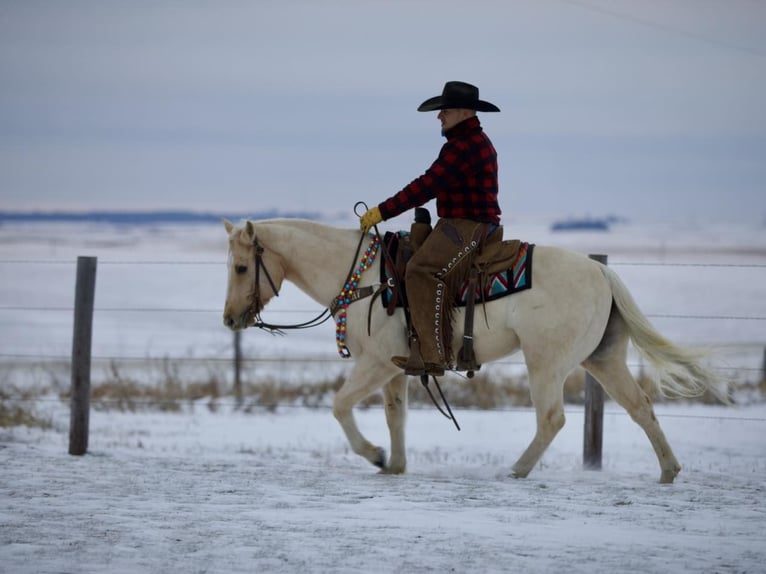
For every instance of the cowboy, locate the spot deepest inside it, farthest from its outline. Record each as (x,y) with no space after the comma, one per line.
(463,179)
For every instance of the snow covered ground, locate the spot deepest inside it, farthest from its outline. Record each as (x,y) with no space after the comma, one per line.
(228,492)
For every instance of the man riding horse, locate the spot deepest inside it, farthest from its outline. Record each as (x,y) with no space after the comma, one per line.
(463,179)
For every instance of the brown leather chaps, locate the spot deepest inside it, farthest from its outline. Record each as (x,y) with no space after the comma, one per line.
(433,275)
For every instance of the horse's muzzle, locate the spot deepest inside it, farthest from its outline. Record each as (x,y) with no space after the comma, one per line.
(237,323)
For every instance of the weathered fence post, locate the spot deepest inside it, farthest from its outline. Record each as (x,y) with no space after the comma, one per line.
(763,369)
(84,295)
(238,368)
(593,436)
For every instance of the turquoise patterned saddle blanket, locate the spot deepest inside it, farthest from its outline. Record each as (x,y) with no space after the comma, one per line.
(517,277)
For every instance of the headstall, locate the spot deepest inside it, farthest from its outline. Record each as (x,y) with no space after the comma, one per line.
(256,305)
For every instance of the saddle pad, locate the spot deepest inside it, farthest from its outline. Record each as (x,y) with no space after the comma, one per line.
(517,278)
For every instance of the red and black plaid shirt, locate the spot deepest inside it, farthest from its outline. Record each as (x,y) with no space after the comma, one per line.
(463,179)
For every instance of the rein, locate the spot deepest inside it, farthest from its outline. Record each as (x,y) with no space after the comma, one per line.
(448,414)
(348,295)
(257,304)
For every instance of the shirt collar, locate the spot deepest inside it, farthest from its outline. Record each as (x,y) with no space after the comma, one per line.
(464,127)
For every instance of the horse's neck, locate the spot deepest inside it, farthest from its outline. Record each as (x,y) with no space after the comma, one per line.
(316,257)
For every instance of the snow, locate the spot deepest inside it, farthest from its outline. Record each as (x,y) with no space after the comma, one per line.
(280,492)
(220,490)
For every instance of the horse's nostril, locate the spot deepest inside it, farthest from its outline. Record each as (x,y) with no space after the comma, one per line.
(228,321)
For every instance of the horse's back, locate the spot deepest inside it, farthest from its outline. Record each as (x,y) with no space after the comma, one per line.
(568,305)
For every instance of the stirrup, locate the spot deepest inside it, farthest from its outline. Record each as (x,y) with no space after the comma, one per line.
(417,368)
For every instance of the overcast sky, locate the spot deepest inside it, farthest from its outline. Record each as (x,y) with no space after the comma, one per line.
(649,109)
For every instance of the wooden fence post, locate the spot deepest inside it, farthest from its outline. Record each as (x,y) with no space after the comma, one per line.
(594,414)
(238,368)
(84,295)
(763,369)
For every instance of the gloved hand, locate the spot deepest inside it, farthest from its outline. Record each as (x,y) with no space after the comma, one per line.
(371,217)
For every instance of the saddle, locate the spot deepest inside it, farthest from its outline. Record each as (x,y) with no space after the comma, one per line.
(497,269)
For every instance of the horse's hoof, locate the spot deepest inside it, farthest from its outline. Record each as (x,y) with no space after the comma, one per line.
(391,469)
(519,474)
(380,458)
(668,476)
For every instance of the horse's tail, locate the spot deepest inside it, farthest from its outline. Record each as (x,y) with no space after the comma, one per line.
(679,371)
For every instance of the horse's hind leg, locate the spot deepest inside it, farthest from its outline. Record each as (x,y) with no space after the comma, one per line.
(546,388)
(614,376)
(395,397)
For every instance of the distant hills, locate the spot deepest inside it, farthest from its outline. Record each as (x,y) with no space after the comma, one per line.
(144,217)
(587,223)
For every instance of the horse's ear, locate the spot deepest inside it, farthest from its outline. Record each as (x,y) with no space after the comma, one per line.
(228,225)
(250,229)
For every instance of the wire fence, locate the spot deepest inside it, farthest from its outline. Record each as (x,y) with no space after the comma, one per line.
(225,357)
(229,403)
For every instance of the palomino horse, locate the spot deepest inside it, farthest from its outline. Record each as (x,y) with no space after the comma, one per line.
(578,312)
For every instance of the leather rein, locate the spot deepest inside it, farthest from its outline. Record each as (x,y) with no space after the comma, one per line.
(257,306)
(257,303)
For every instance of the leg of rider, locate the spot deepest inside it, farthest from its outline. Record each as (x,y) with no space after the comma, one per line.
(425,294)
(442,260)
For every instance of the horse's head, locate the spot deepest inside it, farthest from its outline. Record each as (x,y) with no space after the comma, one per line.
(255,276)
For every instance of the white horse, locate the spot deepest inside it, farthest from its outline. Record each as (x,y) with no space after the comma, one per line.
(578,312)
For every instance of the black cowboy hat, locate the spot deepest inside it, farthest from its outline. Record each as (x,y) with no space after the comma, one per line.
(458,95)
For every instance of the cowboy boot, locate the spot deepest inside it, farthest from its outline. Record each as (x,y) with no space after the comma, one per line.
(414,365)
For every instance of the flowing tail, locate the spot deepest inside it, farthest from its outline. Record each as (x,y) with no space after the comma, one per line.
(679,371)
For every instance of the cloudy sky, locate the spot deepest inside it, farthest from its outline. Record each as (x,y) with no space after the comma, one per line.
(650,109)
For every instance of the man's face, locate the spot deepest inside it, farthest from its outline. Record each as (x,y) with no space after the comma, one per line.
(453,116)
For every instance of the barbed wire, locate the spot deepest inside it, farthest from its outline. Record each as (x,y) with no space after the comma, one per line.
(223,263)
(703,36)
(658,264)
(107,262)
(303,311)
(190,310)
(328,359)
(130,404)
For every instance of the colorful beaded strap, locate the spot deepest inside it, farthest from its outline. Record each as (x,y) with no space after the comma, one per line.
(346,296)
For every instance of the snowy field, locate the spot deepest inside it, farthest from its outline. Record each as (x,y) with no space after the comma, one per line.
(280,492)
(225,491)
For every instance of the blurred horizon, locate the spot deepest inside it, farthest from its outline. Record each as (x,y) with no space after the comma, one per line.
(650,110)
(567,224)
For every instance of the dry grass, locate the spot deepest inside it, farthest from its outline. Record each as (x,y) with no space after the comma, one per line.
(16,409)
(124,393)
(14,415)
(166,387)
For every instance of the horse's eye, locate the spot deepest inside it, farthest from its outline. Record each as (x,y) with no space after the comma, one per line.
(241,269)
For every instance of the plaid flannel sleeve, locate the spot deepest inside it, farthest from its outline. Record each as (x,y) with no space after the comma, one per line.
(425,187)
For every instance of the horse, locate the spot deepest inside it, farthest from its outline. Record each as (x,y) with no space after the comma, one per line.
(578,312)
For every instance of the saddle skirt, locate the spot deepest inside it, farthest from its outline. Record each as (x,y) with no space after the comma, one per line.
(505,268)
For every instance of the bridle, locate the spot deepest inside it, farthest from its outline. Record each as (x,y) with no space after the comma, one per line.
(256,304)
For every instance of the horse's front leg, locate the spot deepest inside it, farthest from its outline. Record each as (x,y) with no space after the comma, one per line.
(363,380)
(395,396)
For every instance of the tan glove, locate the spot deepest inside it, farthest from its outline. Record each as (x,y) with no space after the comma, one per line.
(371,217)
